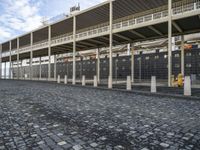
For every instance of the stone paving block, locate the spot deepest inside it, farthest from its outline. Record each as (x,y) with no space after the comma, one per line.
(48,116)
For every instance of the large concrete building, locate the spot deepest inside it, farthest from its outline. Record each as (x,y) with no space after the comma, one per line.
(109,24)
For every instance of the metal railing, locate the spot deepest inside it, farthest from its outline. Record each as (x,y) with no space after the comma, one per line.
(178,9)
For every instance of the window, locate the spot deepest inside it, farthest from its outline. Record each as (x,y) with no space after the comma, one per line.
(124,60)
(188,54)
(176,55)
(177,66)
(147,58)
(188,65)
(157,57)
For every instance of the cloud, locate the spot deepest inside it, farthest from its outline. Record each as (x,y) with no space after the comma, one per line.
(4,32)
(19,16)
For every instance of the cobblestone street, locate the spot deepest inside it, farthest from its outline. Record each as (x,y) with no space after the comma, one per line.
(36,115)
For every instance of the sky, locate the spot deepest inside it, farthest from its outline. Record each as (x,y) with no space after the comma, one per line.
(20,16)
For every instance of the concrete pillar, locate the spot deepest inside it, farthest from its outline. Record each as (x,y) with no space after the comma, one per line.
(40,70)
(74,51)
(5,71)
(55,69)
(128,49)
(49,54)
(66,79)
(31,58)
(98,65)
(18,58)
(95,81)
(187,86)
(83,80)
(140,68)
(132,64)
(21,70)
(153,84)
(182,56)
(128,83)
(0,61)
(12,77)
(110,79)
(58,81)
(10,59)
(169,42)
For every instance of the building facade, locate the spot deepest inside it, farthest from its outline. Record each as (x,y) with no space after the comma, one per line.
(113,22)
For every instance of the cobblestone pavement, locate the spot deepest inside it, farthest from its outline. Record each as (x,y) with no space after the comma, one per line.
(36,115)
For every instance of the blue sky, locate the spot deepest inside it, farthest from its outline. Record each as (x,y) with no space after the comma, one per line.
(20,16)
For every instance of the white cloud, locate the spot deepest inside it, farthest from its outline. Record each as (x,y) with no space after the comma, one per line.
(19,16)
(5,33)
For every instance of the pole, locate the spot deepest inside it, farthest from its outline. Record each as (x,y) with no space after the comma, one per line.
(110,82)
(182,56)
(31,57)
(169,42)
(74,51)
(98,65)
(0,61)
(10,59)
(55,69)
(5,71)
(132,64)
(49,54)
(18,58)
(40,71)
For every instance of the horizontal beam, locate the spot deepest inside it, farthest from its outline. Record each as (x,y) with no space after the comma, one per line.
(177,26)
(96,41)
(123,37)
(86,43)
(107,39)
(138,34)
(155,30)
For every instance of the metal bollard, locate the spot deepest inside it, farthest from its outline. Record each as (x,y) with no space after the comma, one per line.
(65,79)
(95,81)
(83,80)
(110,82)
(58,81)
(187,86)
(153,84)
(128,83)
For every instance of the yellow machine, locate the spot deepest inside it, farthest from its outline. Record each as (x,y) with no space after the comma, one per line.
(179,80)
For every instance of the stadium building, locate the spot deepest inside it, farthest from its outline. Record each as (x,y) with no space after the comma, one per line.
(112,40)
